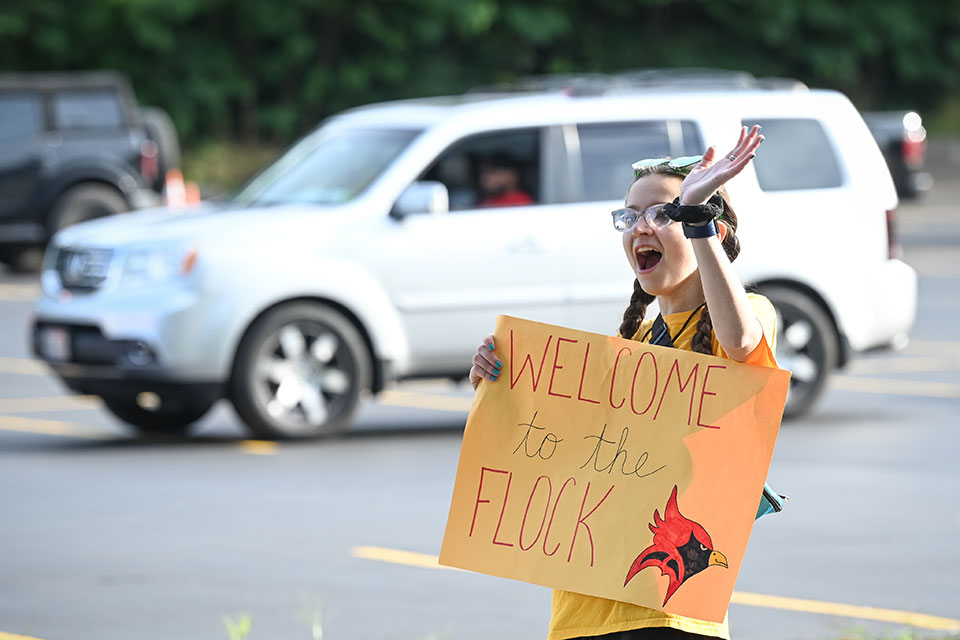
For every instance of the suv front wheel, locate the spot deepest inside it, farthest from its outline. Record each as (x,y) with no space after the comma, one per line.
(299,372)
(173,417)
(806,346)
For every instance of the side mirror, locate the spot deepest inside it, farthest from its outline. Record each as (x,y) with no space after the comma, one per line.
(427,196)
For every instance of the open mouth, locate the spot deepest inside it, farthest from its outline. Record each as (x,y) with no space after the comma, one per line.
(647,259)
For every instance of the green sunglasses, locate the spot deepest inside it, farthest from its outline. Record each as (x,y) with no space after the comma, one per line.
(682,165)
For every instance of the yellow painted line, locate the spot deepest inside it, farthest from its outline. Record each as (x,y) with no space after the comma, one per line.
(934,348)
(396,556)
(52,428)
(920,620)
(888,386)
(910,618)
(19,291)
(904,365)
(51,403)
(424,401)
(13,636)
(23,366)
(259,447)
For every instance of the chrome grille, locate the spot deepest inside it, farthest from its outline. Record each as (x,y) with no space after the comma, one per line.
(83,269)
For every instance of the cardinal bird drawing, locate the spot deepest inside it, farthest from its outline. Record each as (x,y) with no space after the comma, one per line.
(681,548)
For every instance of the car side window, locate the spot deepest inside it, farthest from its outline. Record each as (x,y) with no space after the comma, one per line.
(608,149)
(87,109)
(21,116)
(498,169)
(796,154)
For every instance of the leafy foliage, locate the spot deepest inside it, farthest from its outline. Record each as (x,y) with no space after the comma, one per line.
(253,70)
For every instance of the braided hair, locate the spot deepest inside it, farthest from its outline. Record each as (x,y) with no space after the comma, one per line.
(702,341)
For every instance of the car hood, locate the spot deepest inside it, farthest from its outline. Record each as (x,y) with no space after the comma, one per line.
(208,224)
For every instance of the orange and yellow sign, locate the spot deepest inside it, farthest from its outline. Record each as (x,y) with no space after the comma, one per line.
(614,468)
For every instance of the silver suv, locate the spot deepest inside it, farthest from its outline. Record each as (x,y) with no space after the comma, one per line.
(371,252)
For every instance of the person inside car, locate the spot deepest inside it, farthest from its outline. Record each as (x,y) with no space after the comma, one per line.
(500,183)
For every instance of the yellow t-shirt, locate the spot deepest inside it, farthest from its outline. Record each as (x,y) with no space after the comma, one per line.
(574,614)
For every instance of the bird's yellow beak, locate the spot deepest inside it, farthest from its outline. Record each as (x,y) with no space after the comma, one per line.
(718,559)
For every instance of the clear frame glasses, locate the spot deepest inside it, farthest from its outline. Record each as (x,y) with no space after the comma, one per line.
(654,217)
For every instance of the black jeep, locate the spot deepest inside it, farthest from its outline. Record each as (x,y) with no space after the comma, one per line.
(74,146)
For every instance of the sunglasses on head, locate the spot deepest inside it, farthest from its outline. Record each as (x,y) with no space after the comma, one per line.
(682,165)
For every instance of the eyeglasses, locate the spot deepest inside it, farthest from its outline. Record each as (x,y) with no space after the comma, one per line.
(682,165)
(626,218)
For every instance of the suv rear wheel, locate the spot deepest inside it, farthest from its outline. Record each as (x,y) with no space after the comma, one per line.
(299,372)
(806,346)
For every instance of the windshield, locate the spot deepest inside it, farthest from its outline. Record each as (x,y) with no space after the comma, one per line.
(329,166)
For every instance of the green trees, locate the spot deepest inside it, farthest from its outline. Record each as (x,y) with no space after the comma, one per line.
(250,69)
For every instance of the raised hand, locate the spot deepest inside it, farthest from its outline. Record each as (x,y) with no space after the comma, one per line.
(711,173)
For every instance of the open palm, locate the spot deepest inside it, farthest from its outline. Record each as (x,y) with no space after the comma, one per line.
(710,174)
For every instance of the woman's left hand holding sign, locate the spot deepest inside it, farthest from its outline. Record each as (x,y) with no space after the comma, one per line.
(486,363)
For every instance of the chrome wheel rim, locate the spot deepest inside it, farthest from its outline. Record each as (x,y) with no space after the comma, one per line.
(304,375)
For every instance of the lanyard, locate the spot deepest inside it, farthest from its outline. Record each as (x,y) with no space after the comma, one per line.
(662,333)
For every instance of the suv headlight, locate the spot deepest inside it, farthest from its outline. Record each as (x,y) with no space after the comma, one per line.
(158,264)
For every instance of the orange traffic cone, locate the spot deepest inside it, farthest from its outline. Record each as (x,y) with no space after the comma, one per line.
(192,195)
(175,191)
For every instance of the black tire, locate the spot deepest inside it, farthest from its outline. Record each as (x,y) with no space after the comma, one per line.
(299,372)
(173,417)
(21,258)
(806,346)
(77,204)
(159,128)
(84,202)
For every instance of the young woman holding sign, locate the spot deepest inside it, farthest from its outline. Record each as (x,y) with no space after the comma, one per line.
(679,235)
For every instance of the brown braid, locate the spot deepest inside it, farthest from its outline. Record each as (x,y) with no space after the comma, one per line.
(702,341)
(633,315)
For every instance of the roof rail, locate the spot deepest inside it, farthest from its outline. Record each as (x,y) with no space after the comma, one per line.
(590,84)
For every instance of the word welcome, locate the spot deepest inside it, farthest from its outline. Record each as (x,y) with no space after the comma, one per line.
(637,365)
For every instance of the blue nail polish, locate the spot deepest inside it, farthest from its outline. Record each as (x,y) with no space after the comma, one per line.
(490,346)
(493,378)
(496,372)
(499,364)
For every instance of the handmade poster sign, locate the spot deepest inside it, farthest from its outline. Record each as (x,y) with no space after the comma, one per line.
(614,468)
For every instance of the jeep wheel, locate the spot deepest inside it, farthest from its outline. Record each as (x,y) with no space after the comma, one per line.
(85,202)
(299,372)
(20,258)
(172,417)
(806,346)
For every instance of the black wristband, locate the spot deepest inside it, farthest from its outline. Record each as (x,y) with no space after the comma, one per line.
(701,231)
(694,214)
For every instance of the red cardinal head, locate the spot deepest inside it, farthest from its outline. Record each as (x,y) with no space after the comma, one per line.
(681,548)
